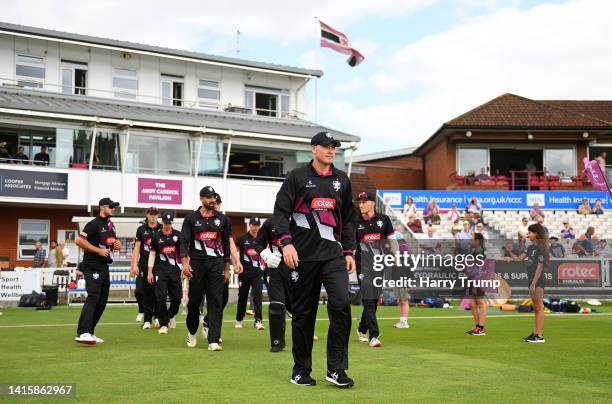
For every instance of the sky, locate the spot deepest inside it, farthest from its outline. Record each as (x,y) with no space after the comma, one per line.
(426,61)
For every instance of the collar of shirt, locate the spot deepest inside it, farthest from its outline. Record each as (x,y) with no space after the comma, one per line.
(207,214)
(368,218)
(327,173)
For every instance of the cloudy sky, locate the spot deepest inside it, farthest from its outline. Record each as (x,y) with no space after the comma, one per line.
(427,61)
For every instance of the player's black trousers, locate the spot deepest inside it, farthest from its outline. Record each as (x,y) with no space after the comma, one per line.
(145,294)
(249,279)
(306,282)
(207,277)
(97,284)
(167,284)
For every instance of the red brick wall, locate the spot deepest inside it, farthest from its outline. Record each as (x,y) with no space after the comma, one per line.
(59,218)
(395,178)
(439,164)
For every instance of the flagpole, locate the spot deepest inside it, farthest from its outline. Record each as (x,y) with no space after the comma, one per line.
(316,79)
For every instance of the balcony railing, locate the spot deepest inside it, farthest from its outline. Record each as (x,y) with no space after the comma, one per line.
(179,102)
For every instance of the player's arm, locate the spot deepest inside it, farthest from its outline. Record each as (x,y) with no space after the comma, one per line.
(186,237)
(283,209)
(226,234)
(150,265)
(136,254)
(83,243)
(347,212)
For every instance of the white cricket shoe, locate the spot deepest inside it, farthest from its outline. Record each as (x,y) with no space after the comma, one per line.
(191,340)
(156,323)
(98,340)
(215,347)
(238,324)
(401,324)
(146,325)
(85,338)
(172,323)
(375,343)
(362,337)
(163,330)
(140,318)
(259,326)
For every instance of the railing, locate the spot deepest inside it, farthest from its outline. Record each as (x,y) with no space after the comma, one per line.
(179,102)
(396,218)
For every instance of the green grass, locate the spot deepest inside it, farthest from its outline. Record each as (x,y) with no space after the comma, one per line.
(433,361)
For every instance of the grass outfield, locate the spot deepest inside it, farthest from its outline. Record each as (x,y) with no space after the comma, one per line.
(432,361)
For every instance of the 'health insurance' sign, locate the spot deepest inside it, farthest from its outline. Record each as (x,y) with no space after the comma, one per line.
(158,191)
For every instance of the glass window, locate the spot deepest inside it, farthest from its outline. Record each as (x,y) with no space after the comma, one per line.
(67,81)
(556,161)
(266,101)
(30,66)
(471,160)
(29,232)
(64,147)
(106,152)
(208,92)
(126,81)
(160,155)
(284,106)
(212,160)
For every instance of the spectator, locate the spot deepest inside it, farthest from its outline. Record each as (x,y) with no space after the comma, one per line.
(428,211)
(463,239)
(431,243)
(5,156)
(585,245)
(456,229)
(42,158)
(522,230)
(409,208)
(65,253)
(601,160)
(435,214)
(399,232)
(567,232)
(415,224)
(530,166)
(470,178)
(603,249)
(474,208)
(598,209)
(453,214)
(536,211)
(563,177)
(39,256)
(556,249)
(585,207)
(510,250)
(21,157)
(540,220)
(483,174)
(52,256)
(481,230)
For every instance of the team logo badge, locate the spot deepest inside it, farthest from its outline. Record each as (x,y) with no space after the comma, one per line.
(175,239)
(217,222)
(295,276)
(198,223)
(328,135)
(96,275)
(336,184)
(379,223)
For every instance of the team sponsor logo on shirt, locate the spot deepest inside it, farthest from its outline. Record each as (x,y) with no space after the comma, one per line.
(110,240)
(323,203)
(168,249)
(207,235)
(148,241)
(309,184)
(371,236)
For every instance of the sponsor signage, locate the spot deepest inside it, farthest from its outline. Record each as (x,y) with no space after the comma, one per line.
(33,184)
(523,200)
(160,192)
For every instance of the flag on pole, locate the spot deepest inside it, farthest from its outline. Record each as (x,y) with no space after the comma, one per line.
(336,40)
(593,172)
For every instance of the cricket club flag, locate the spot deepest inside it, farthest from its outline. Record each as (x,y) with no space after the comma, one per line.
(336,40)
(593,172)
